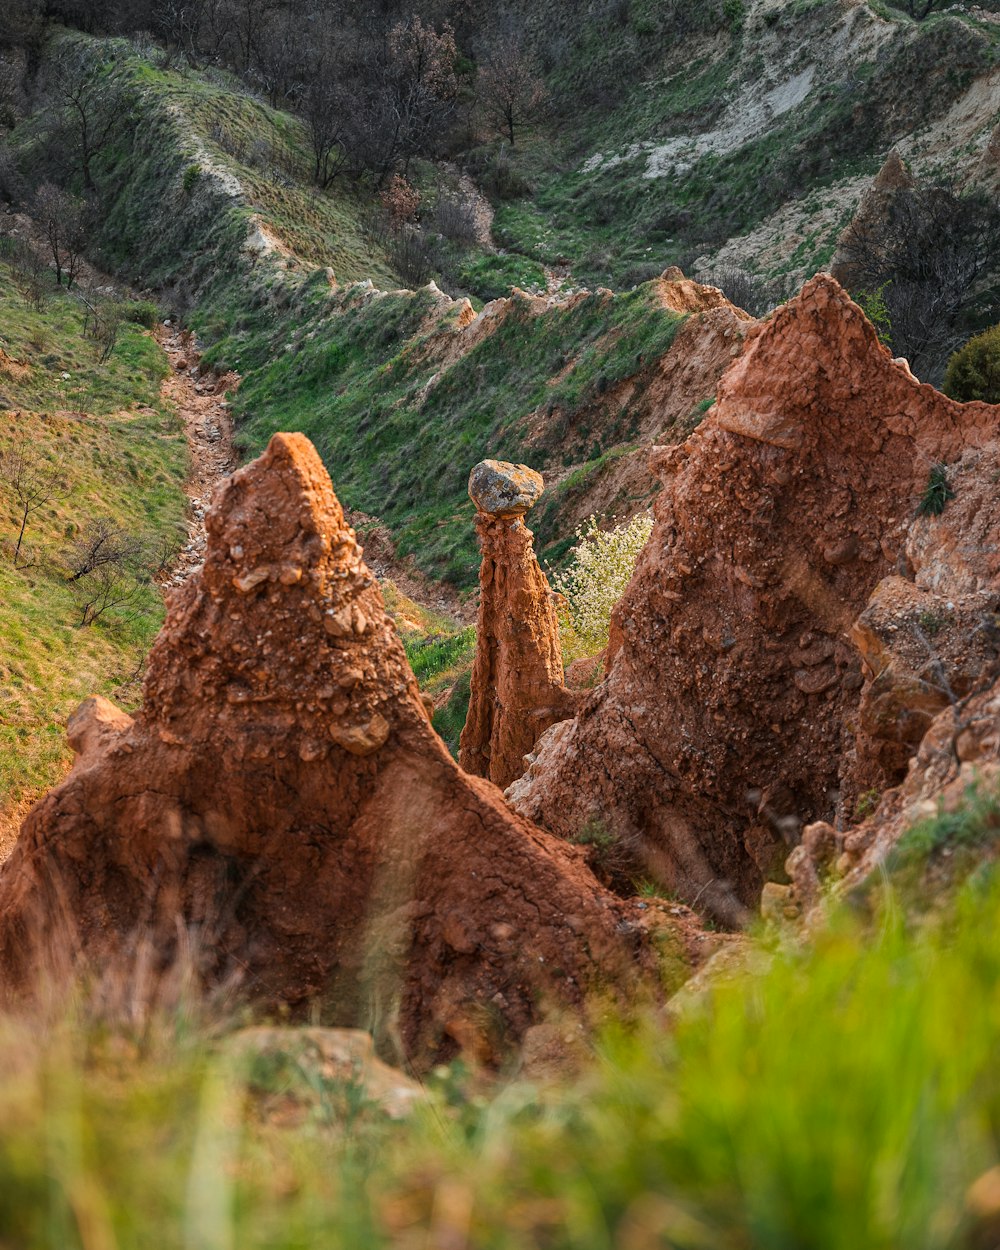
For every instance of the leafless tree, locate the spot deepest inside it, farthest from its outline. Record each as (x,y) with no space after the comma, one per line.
(926,251)
(179,24)
(102,543)
(23,23)
(88,106)
(247,21)
(65,219)
(399,92)
(31,481)
(511,92)
(13,68)
(109,586)
(322,108)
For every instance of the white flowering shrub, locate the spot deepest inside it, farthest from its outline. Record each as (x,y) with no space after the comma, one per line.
(602,564)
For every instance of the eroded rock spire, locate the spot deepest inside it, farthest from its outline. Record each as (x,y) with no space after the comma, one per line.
(517,689)
(729,713)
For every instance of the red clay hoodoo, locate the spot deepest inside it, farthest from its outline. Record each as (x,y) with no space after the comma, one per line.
(517,689)
(282,795)
(733,684)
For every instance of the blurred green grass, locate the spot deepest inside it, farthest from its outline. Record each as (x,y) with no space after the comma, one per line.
(845,1096)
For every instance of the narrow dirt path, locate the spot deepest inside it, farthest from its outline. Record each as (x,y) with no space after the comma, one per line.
(200,400)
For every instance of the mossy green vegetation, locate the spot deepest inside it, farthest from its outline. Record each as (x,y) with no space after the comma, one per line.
(943,849)
(493,276)
(399,431)
(840,1094)
(974,370)
(208,196)
(115,452)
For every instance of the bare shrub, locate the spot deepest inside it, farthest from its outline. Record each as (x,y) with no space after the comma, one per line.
(745,290)
(29,272)
(463,215)
(411,254)
(108,586)
(103,323)
(65,219)
(163,555)
(12,186)
(500,177)
(102,543)
(30,481)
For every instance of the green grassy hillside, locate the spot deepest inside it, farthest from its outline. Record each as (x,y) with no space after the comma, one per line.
(113,451)
(400,428)
(370,377)
(198,166)
(729,113)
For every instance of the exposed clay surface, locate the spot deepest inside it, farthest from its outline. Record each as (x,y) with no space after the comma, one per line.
(282,798)
(517,689)
(720,728)
(684,295)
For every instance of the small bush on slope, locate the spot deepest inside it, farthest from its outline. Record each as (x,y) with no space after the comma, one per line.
(974,370)
(602,564)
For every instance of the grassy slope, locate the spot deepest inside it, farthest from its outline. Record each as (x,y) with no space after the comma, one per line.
(173,213)
(351,373)
(119,454)
(353,376)
(347,370)
(845,1096)
(615,225)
